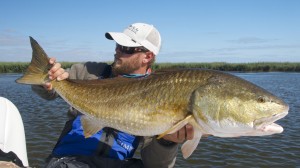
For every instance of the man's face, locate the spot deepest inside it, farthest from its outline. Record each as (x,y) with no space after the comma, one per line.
(127,62)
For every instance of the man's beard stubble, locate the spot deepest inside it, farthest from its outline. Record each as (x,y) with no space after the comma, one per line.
(120,67)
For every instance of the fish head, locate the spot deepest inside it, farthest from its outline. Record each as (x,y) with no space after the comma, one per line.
(228,106)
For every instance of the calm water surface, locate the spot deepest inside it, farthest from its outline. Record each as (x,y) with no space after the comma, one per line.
(43,121)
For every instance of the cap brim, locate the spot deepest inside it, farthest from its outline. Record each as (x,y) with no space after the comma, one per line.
(121,39)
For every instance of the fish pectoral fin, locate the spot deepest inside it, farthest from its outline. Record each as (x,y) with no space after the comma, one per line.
(90,126)
(176,127)
(190,145)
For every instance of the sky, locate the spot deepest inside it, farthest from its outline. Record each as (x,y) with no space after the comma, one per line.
(233,31)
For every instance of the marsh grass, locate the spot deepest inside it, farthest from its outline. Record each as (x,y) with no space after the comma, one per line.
(238,67)
(20,67)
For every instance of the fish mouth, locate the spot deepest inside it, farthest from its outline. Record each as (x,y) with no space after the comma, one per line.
(267,124)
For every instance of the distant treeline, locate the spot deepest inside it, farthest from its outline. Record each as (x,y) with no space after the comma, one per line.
(20,67)
(238,67)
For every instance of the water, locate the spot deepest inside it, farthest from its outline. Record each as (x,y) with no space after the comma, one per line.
(44,120)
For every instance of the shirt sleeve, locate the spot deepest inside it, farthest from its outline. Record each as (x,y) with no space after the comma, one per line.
(155,154)
(43,93)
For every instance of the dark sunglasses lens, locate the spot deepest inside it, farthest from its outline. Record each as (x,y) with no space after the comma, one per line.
(129,50)
(125,50)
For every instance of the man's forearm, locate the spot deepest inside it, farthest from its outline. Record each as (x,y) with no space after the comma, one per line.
(45,94)
(155,154)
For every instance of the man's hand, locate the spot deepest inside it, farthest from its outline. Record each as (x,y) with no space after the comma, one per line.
(56,72)
(185,133)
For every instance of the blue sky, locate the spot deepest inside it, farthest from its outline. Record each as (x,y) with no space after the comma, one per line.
(192,30)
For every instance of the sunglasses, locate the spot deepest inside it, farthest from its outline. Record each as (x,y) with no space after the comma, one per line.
(130,50)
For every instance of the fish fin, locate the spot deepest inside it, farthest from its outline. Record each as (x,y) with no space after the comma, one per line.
(37,71)
(90,126)
(190,145)
(176,127)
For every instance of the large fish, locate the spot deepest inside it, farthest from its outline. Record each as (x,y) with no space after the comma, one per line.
(214,102)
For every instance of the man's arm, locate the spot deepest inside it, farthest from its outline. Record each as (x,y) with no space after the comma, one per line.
(43,93)
(162,152)
(155,154)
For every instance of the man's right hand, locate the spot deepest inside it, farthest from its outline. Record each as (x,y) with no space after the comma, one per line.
(56,72)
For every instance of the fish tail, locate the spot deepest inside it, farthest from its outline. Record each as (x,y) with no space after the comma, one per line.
(37,71)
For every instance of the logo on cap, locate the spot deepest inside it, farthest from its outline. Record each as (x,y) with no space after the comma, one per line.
(133,29)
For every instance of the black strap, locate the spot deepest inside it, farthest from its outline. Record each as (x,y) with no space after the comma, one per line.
(10,157)
(93,162)
(106,142)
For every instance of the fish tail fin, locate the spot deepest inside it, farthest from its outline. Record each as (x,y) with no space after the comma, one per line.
(37,71)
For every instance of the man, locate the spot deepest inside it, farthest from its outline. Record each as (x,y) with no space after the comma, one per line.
(136,48)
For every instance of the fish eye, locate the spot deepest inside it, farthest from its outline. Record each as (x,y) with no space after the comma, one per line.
(261,99)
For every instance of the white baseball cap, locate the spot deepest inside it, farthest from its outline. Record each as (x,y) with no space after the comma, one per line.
(136,35)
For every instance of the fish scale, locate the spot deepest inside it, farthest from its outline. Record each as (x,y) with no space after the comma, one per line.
(125,101)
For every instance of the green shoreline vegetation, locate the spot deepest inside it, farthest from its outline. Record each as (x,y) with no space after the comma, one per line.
(20,67)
